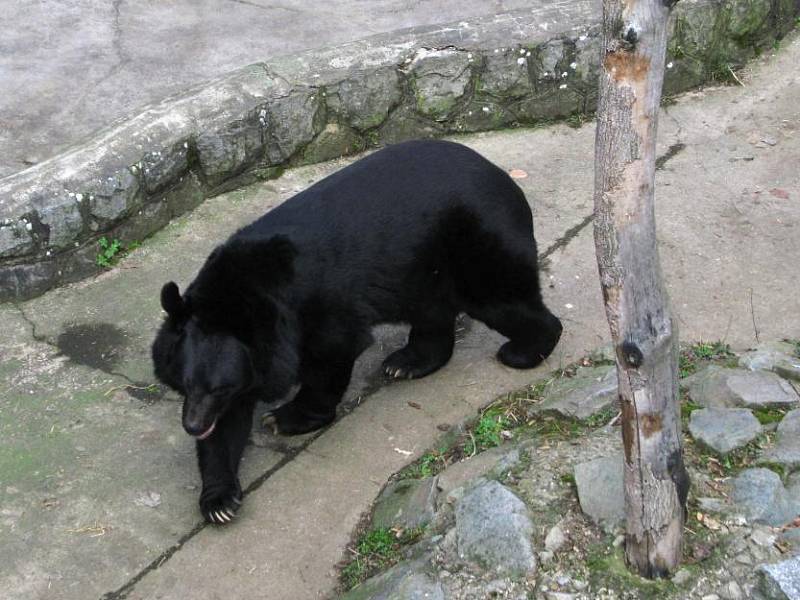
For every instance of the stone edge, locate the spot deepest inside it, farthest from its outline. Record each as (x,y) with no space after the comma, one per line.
(518,68)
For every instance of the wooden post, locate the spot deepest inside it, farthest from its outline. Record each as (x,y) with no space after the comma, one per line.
(644,334)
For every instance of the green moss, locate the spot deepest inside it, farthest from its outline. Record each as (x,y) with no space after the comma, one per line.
(375,551)
(607,569)
(766,416)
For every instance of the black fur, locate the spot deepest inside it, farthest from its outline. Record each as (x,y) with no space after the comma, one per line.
(415,233)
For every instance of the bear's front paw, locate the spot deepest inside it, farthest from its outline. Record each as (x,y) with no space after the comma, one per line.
(220,504)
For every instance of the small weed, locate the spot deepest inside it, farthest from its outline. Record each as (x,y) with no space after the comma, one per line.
(487,434)
(111,251)
(688,407)
(578,119)
(690,358)
(375,551)
(796,344)
(428,465)
(107,257)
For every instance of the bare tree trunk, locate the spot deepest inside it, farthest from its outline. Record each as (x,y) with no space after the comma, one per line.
(637,307)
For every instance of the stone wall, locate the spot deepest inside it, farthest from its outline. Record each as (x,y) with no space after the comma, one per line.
(519,68)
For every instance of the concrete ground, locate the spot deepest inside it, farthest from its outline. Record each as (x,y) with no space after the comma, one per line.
(68,68)
(98,484)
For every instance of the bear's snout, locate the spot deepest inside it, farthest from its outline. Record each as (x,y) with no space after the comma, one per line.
(198,418)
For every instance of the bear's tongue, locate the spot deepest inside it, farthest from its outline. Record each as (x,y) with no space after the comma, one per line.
(208,431)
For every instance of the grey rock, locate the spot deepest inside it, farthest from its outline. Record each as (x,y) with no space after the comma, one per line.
(492,462)
(293,122)
(793,485)
(115,196)
(64,220)
(717,387)
(366,98)
(506,74)
(779,357)
(781,581)
(440,79)
(555,539)
(724,429)
(787,442)
(15,239)
(163,167)
(493,529)
(600,489)
(763,538)
(333,142)
(550,55)
(590,391)
(227,151)
(405,581)
(406,503)
(760,494)
(681,577)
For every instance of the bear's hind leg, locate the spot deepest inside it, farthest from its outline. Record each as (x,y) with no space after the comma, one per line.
(429,348)
(533,332)
(323,385)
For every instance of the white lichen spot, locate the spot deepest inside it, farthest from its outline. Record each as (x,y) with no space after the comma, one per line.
(496,50)
(568,305)
(78,197)
(563,86)
(522,50)
(521,60)
(544,26)
(669,65)
(486,109)
(186,145)
(469,113)
(582,38)
(464,24)
(528,53)
(573,65)
(47,253)
(469,54)
(134,168)
(564,74)
(28,226)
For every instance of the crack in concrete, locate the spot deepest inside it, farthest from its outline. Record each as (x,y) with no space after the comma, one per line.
(36,336)
(571,233)
(268,6)
(673,150)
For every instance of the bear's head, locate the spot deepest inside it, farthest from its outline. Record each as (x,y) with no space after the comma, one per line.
(227,336)
(209,367)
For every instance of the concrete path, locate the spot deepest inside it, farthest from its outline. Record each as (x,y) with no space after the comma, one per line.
(98,484)
(68,68)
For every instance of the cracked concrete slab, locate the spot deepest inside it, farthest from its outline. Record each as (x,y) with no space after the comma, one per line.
(69,68)
(98,482)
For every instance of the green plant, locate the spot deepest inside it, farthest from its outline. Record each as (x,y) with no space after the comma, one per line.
(487,433)
(109,251)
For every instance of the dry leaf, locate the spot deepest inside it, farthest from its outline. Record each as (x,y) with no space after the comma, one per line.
(517,174)
(414,405)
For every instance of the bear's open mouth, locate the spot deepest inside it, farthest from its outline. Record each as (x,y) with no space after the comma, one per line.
(208,431)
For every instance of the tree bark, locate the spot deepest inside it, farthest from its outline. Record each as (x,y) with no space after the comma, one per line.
(637,307)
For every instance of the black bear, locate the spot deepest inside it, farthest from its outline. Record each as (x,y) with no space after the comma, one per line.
(415,233)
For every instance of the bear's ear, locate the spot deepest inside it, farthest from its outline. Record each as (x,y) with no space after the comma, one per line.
(171,300)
